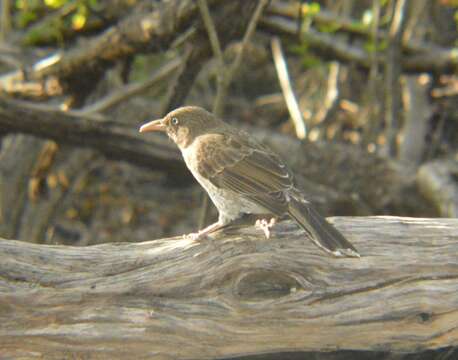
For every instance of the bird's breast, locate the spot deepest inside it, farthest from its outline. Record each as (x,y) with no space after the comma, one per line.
(230,205)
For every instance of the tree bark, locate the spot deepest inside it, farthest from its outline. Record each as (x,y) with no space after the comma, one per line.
(234,294)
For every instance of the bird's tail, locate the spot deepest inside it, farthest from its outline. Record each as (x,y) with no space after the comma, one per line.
(323,234)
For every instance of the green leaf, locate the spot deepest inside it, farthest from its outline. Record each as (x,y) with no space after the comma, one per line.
(55,4)
(311,9)
(80,17)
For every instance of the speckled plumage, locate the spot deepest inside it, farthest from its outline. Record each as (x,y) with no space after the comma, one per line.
(242,176)
(230,205)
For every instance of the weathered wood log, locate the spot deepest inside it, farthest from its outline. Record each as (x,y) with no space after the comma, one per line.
(234,294)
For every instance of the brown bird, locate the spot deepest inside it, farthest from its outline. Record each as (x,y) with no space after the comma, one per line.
(242,176)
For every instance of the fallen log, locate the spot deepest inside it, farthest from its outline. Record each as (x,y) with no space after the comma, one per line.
(234,294)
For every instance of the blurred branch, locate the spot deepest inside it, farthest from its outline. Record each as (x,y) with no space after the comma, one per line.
(55,109)
(52,28)
(341,23)
(392,75)
(418,57)
(139,32)
(332,95)
(160,26)
(418,111)
(212,34)
(5,20)
(288,93)
(231,18)
(111,139)
(437,182)
(130,90)
(246,39)
(373,124)
(451,89)
(292,9)
(193,58)
(226,72)
(221,73)
(94,110)
(151,31)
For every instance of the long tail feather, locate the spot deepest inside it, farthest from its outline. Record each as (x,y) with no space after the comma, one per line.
(323,234)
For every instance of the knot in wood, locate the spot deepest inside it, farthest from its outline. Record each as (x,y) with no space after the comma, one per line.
(261,284)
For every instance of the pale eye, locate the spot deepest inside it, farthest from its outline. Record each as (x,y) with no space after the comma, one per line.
(174,121)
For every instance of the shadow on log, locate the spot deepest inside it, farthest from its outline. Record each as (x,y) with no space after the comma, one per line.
(234,294)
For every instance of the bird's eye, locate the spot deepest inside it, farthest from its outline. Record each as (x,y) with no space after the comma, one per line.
(174,121)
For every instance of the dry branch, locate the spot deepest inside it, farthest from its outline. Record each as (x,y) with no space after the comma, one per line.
(114,140)
(226,72)
(418,111)
(429,54)
(392,89)
(427,58)
(234,294)
(287,89)
(130,90)
(153,27)
(158,26)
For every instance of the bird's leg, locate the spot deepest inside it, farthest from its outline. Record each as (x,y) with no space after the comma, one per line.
(204,232)
(265,225)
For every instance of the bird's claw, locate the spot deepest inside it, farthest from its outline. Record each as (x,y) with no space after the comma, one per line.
(194,236)
(265,225)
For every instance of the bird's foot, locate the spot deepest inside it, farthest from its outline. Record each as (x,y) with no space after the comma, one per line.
(202,234)
(194,236)
(265,225)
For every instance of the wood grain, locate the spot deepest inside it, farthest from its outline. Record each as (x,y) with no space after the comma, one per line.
(234,294)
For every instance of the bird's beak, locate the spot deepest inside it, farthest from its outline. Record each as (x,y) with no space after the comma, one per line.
(155,125)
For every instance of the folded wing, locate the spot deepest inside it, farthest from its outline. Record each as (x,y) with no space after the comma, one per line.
(247,168)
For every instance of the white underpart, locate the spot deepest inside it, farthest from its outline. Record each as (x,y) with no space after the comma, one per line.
(230,205)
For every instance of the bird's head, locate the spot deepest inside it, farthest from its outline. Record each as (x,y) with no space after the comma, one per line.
(183,125)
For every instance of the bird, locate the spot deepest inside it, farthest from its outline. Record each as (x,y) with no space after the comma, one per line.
(244,177)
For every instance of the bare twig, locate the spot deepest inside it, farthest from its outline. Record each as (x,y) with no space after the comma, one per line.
(5,21)
(420,56)
(418,111)
(246,39)
(216,47)
(227,72)
(393,72)
(211,30)
(55,110)
(130,90)
(450,89)
(373,124)
(93,111)
(332,94)
(288,93)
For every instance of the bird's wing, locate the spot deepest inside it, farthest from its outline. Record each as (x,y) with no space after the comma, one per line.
(246,167)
